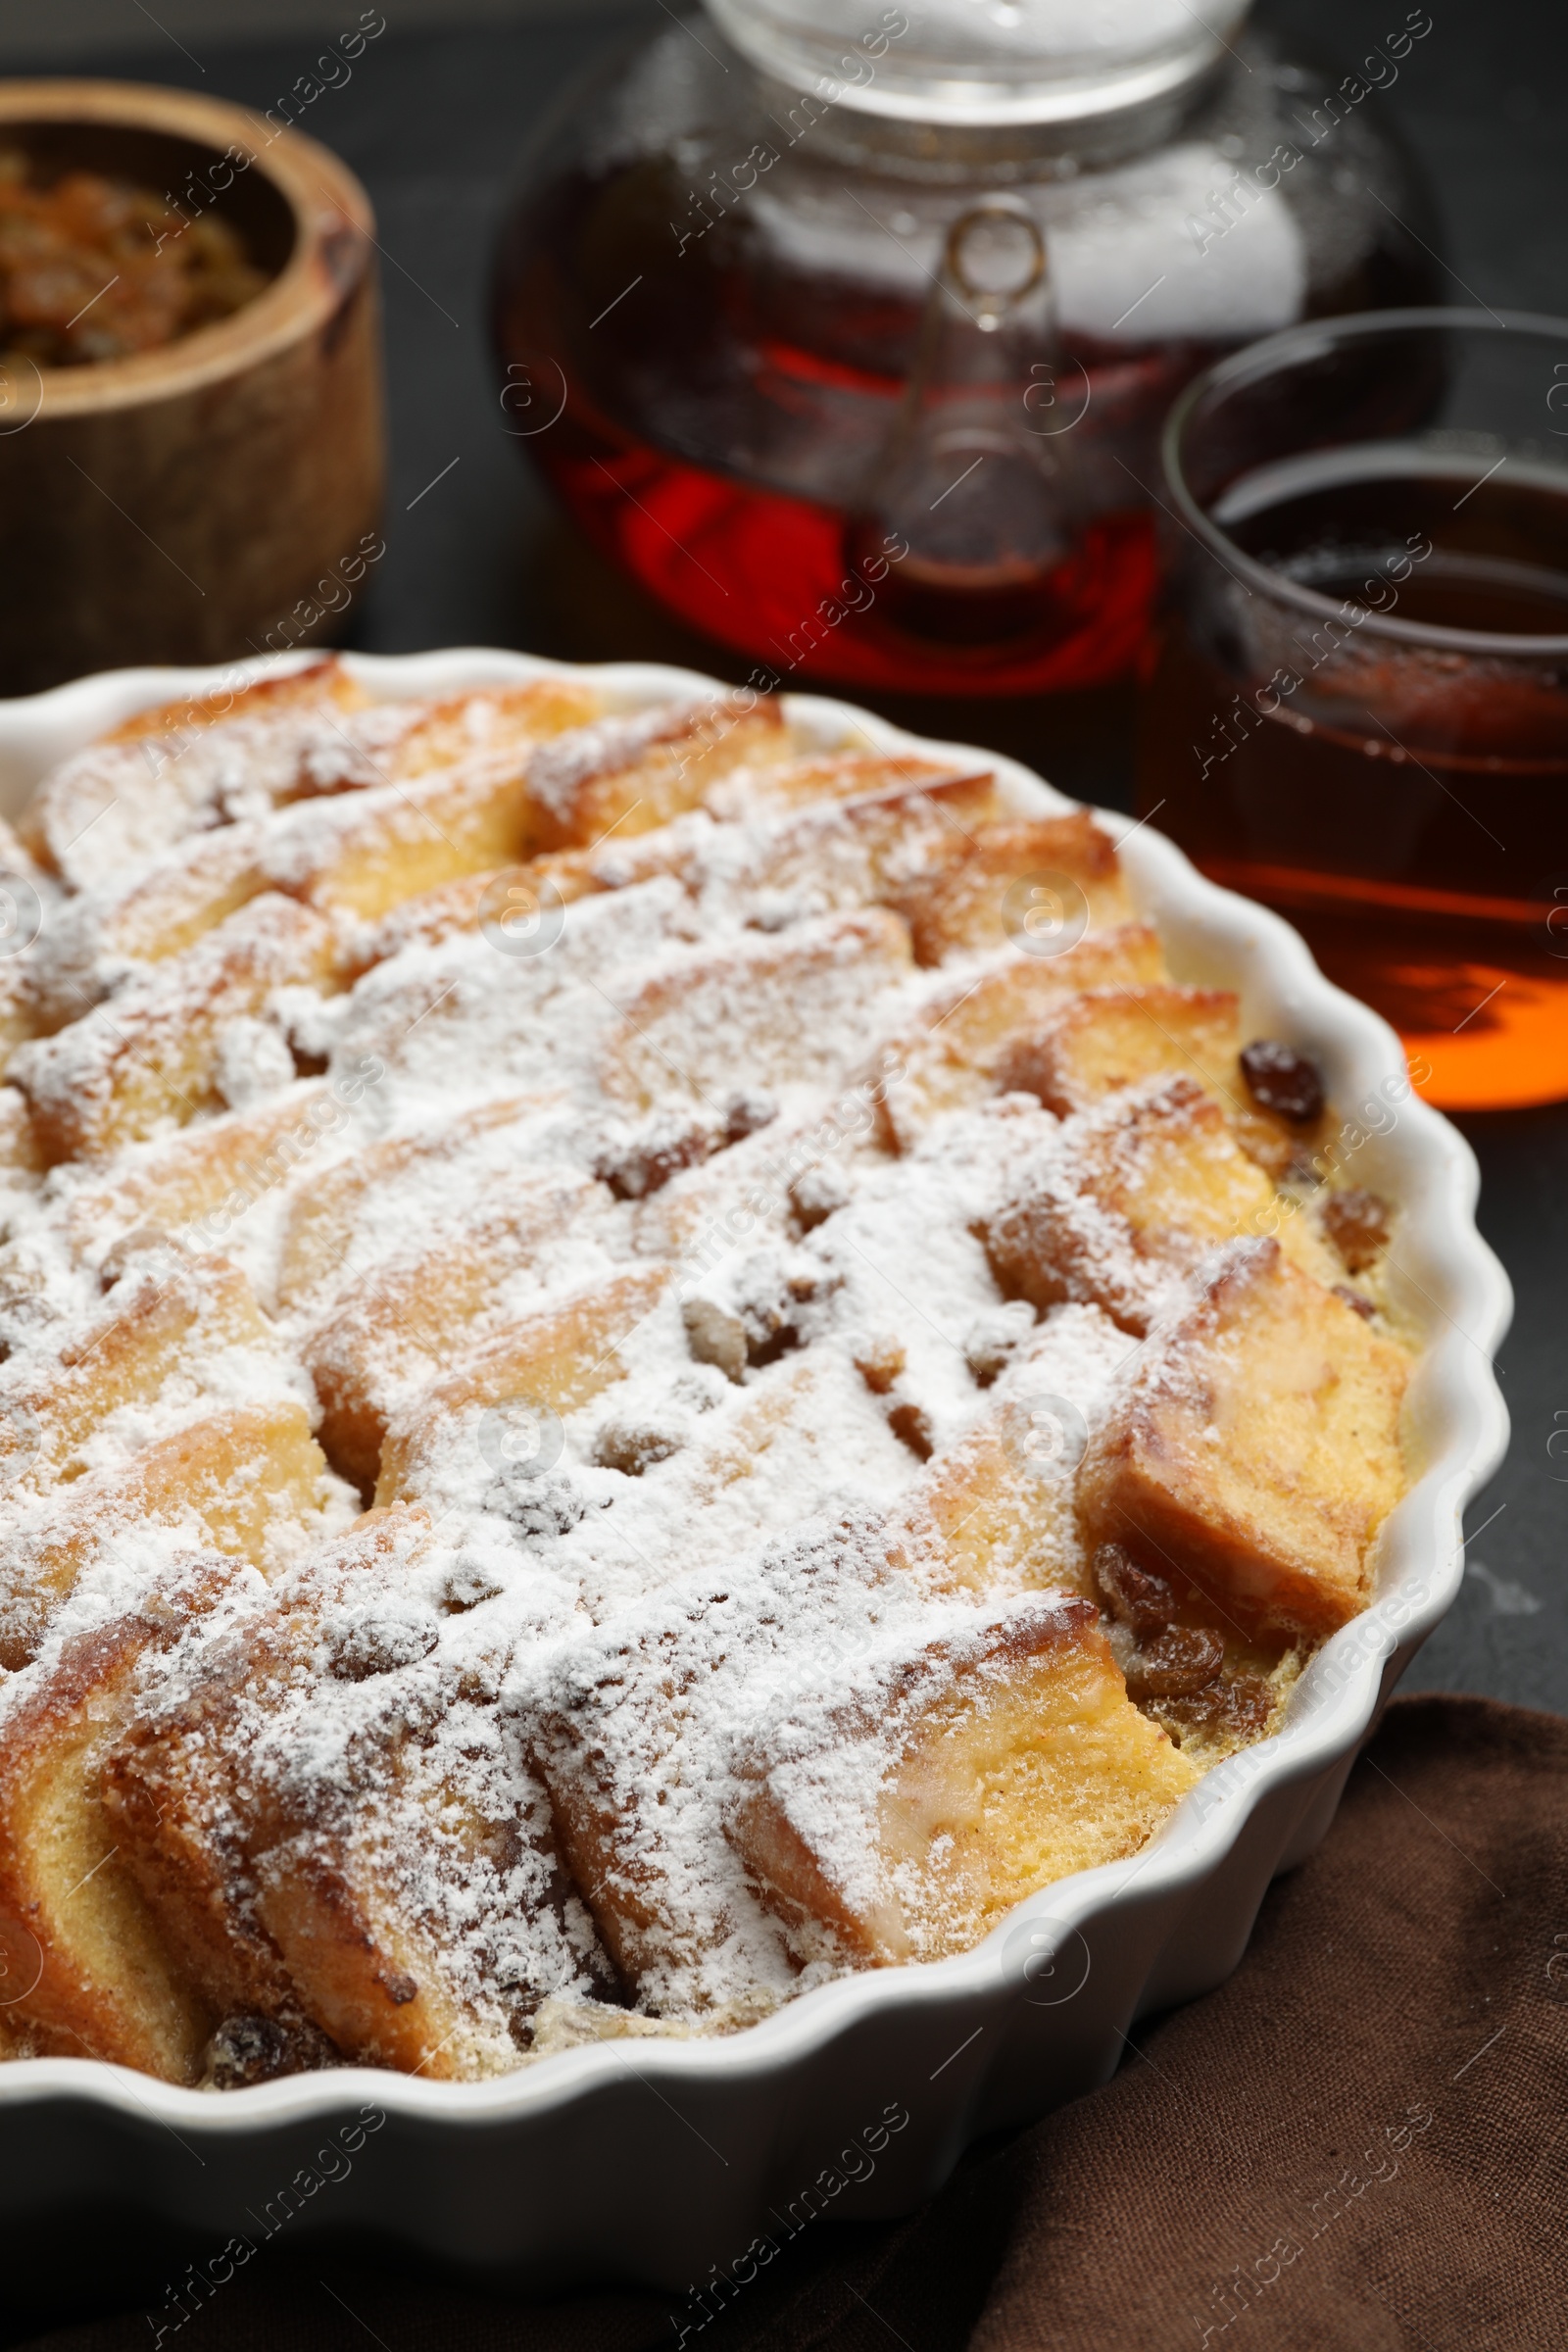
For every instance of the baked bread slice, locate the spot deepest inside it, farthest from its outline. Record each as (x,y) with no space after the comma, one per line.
(906,1820)
(1041,885)
(1257,1447)
(325,1810)
(1123,1204)
(954,1053)
(1112,1038)
(105,1979)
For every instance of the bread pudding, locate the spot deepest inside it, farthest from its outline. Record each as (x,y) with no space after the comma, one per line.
(645,1362)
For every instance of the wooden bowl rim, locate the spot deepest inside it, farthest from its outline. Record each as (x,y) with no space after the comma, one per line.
(320,191)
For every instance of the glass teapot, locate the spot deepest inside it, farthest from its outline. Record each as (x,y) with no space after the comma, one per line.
(847,331)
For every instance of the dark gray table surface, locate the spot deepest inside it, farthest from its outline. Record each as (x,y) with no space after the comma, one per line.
(435,124)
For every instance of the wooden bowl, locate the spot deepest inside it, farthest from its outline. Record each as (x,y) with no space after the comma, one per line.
(218,497)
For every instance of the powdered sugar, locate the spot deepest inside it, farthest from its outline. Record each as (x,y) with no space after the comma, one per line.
(829,1746)
(635,1731)
(116,805)
(557,769)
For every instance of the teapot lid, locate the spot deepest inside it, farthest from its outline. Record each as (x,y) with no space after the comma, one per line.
(984,61)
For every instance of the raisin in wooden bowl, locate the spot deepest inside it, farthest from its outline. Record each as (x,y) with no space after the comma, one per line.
(186,500)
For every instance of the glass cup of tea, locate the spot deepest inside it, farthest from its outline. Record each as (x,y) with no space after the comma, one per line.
(1356,707)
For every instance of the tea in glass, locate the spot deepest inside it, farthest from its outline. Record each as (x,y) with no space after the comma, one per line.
(1357,708)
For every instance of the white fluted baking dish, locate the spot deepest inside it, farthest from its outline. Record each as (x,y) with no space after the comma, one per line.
(676,2164)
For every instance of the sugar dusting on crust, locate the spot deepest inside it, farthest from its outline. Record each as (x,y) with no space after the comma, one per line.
(648,1716)
(828,1744)
(557,770)
(115,806)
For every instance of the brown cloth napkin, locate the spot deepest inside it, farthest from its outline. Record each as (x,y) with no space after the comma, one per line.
(1361,2142)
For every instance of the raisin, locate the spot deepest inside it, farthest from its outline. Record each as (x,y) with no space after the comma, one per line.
(817,1192)
(535,1506)
(1176,1665)
(1283,1081)
(636,1165)
(912,1427)
(469,1584)
(1358,1223)
(879,1360)
(1134,1596)
(1241,1703)
(746,1113)
(379,1641)
(245,2050)
(633,1446)
(1354,1300)
(993,1338)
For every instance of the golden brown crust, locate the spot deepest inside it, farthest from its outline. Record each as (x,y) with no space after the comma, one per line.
(109,1984)
(305,688)
(1112,1038)
(1137,1194)
(411,1322)
(167,1796)
(164,1315)
(769,1008)
(1257,1447)
(150,1060)
(1014,1758)
(950,1056)
(557,1359)
(1059,872)
(297,1901)
(243,1476)
(633,776)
